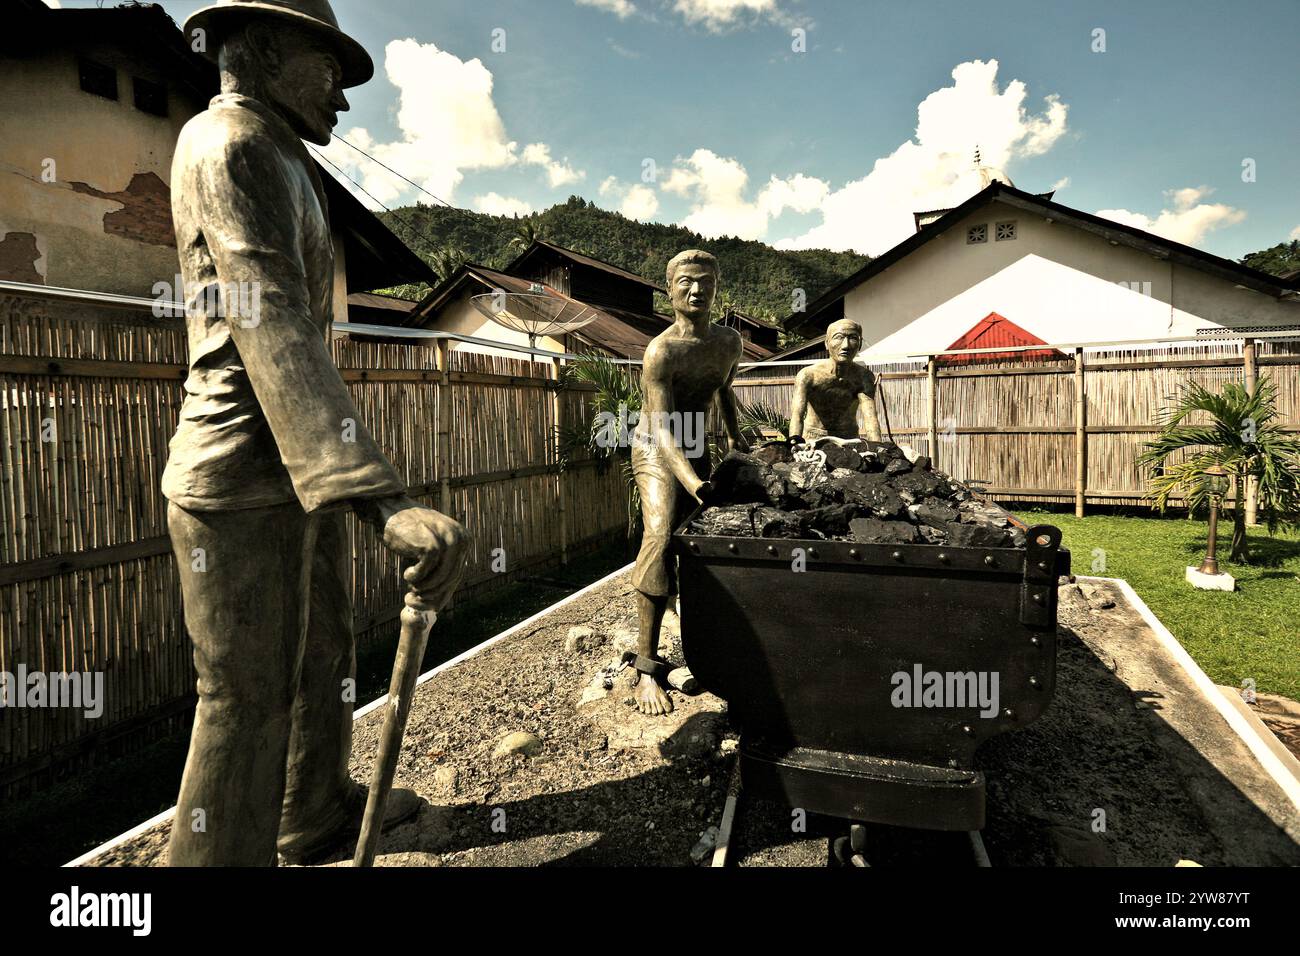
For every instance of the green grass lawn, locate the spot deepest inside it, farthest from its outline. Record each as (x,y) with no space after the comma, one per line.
(1254,632)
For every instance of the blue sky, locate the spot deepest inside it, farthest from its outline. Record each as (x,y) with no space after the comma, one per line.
(821,146)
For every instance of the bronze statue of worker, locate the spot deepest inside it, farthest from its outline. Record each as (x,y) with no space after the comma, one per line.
(270,453)
(686,368)
(836,397)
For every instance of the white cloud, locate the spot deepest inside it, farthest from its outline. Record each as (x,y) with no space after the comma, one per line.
(717,187)
(494,204)
(935,169)
(449,125)
(719,16)
(1188,221)
(1295,234)
(557,173)
(620,8)
(636,201)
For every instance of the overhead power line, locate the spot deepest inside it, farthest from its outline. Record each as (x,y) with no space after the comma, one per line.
(405,224)
(392,170)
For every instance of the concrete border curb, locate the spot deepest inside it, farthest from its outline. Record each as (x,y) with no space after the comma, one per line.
(1257,745)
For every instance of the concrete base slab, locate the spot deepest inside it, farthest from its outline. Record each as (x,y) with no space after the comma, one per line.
(1211,582)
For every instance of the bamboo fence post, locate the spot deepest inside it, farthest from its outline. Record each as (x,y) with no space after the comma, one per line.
(557,410)
(442,437)
(1080,435)
(932,401)
(1250,368)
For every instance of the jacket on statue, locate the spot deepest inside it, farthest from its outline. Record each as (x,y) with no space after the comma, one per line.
(266,417)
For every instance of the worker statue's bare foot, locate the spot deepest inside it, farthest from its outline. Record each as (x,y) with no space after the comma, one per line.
(650,697)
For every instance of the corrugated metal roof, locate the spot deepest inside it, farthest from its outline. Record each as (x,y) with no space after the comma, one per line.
(992,331)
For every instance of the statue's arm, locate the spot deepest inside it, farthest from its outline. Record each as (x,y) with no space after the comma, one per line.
(656,385)
(727,406)
(255,239)
(868,420)
(799,403)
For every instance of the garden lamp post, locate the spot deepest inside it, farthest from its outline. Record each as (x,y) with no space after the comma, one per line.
(1216,485)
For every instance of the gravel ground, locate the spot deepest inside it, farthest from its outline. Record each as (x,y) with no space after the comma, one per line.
(608,787)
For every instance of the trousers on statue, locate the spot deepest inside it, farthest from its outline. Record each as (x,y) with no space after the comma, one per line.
(268,609)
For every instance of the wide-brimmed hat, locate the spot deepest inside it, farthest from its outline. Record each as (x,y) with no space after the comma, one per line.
(315,15)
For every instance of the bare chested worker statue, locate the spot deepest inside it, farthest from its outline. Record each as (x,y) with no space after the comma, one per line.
(686,367)
(837,395)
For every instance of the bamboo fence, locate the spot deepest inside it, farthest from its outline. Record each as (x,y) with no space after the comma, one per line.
(89,397)
(1061,432)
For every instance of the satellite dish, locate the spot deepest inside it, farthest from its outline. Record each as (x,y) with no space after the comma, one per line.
(534,312)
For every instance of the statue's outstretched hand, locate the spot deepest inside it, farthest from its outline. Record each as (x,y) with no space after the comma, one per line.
(438,544)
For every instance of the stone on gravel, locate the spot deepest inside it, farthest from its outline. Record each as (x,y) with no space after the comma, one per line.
(520,742)
(703,849)
(1075,847)
(594,691)
(581,638)
(446,779)
(1097,598)
(683,680)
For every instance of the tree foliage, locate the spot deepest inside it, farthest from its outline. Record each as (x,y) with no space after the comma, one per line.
(1275,260)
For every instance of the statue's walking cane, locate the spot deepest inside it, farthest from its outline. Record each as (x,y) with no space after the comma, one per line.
(406,668)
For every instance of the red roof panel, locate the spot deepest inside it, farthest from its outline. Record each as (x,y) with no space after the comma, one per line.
(995,330)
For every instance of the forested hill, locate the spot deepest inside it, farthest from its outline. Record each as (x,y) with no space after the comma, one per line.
(756,278)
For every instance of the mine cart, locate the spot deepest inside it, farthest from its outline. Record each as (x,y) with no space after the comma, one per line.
(828,670)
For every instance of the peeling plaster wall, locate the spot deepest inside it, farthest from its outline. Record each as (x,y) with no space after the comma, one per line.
(104,223)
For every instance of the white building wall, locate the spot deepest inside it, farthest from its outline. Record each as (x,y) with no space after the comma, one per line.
(1053,280)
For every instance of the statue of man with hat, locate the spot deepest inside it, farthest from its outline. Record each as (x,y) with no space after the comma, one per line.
(270,453)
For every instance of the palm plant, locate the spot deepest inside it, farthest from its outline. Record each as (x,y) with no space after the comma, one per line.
(617,397)
(447,260)
(757,418)
(526,233)
(1245,436)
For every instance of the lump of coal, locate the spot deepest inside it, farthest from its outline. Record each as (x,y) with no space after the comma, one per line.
(934,513)
(773,453)
(977,536)
(841,456)
(875,531)
(727,521)
(831,521)
(774,523)
(874,493)
(739,479)
(863,491)
(916,485)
